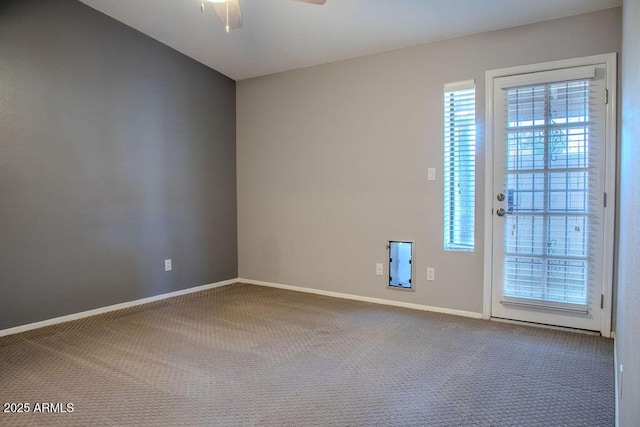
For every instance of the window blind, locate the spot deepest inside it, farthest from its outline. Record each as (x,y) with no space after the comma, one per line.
(459,165)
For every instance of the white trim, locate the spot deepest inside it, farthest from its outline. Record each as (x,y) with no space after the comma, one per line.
(488,195)
(552,65)
(610,187)
(616,392)
(364,299)
(115,307)
(610,164)
(561,75)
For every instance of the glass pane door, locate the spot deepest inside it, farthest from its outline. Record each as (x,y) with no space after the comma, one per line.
(548,233)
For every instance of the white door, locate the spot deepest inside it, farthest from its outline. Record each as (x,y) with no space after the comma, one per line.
(549,148)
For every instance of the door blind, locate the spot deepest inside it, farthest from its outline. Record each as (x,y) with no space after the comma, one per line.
(550,226)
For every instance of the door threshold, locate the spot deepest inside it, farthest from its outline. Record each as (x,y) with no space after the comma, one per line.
(545,326)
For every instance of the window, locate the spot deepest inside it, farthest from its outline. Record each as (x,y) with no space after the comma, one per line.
(459,165)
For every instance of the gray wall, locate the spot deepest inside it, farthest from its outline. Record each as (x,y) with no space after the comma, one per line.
(332,160)
(627,334)
(116,152)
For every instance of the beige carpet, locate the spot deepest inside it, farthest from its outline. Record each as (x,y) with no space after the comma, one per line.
(247,355)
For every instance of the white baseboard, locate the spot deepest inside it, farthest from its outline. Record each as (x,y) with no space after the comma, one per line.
(616,393)
(101,310)
(365,299)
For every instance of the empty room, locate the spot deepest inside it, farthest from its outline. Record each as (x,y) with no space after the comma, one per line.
(320,212)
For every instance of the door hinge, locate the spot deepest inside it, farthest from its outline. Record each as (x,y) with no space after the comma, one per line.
(601,301)
(605,200)
(606,96)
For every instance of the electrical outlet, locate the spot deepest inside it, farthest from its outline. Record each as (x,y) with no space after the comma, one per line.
(431,174)
(379,269)
(167,265)
(431,273)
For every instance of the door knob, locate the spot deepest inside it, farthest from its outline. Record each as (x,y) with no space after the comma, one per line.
(501,212)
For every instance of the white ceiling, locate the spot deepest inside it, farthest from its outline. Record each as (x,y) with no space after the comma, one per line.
(281,35)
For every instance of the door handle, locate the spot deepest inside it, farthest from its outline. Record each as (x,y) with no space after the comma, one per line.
(502,212)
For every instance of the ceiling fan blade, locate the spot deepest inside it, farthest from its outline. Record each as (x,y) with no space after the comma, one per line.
(229,13)
(313,1)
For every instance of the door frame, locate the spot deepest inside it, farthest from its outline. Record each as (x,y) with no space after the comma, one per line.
(610,173)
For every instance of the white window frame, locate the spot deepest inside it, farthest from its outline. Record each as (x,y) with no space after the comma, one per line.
(610,179)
